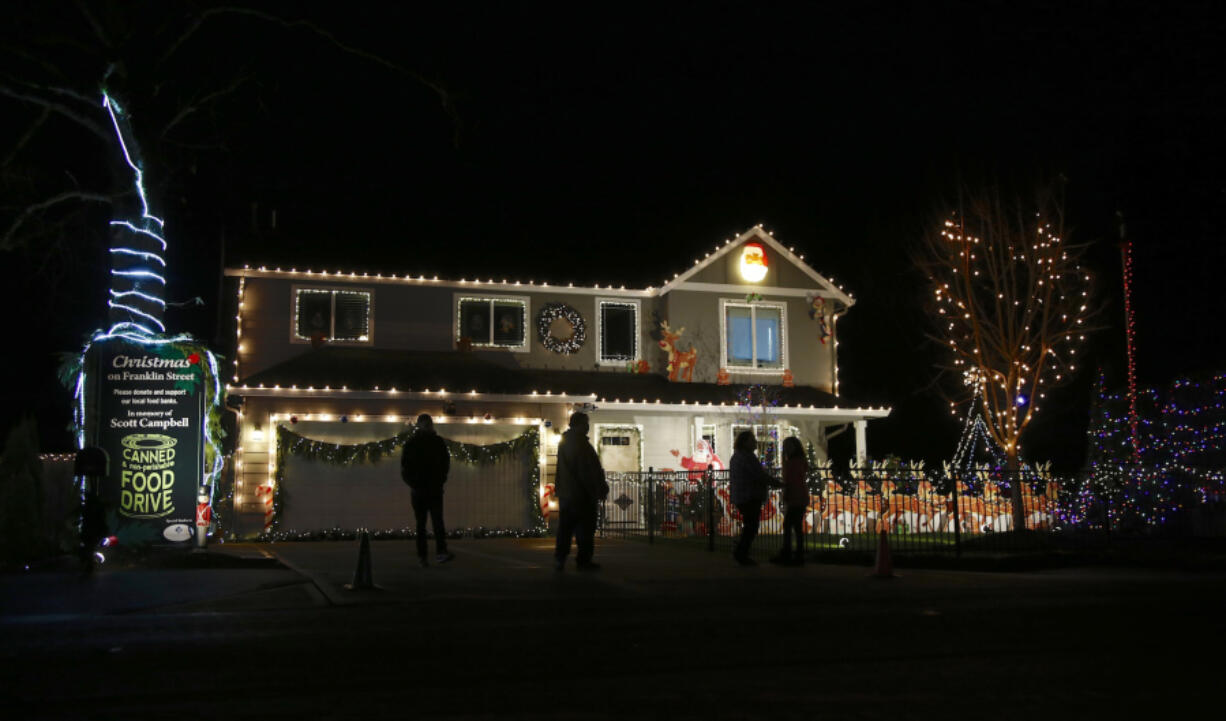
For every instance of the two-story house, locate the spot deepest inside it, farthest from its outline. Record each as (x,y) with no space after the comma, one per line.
(746,338)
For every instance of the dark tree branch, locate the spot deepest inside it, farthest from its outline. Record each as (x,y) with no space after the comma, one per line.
(60,108)
(94,25)
(25,138)
(89,100)
(444,97)
(7,242)
(195,105)
(35,59)
(194,146)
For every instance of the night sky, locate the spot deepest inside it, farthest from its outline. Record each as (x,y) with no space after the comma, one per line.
(615,143)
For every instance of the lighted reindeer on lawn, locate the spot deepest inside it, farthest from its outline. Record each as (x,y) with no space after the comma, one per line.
(680,362)
(917,511)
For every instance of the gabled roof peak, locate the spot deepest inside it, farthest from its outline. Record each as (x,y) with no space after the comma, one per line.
(758,233)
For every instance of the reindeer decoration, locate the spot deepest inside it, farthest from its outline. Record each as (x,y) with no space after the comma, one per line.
(879,496)
(680,363)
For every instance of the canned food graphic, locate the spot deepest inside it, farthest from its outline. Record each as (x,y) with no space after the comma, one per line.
(147,475)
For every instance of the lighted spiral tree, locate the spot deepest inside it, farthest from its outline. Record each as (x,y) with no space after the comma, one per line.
(138,281)
(1010,301)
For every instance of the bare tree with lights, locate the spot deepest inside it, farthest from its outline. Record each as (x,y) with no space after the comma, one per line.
(1010,302)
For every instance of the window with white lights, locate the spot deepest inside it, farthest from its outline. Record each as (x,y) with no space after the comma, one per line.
(489,322)
(332,315)
(617,327)
(752,336)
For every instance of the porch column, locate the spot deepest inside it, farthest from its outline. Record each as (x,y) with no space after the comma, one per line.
(861,442)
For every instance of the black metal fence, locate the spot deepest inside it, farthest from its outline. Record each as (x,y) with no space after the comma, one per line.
(921,513)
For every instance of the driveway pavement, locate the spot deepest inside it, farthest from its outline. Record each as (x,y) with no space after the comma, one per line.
(268,577)
(660,632)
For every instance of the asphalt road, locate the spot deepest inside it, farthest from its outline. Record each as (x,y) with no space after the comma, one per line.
(658,633)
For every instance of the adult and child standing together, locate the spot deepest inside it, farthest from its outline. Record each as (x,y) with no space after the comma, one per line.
(580,487)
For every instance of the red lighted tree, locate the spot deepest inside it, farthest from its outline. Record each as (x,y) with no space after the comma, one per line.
(1010,301)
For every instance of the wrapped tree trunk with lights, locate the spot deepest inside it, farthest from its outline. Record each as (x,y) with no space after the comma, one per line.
(1010,301)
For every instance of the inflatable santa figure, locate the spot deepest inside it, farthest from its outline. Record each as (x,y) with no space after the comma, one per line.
(704,458)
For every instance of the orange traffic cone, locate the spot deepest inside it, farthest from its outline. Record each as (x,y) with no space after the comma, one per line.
(362,576)
(885,567)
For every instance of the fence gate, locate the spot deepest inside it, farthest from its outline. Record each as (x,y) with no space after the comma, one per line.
(625,510)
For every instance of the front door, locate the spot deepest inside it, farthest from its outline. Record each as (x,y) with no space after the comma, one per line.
(619,449)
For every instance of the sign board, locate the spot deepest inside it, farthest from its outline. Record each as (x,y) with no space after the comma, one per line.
(150,407)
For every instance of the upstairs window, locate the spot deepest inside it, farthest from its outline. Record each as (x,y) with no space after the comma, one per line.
(333,315)
(493,322)
(618,329)
(754,336)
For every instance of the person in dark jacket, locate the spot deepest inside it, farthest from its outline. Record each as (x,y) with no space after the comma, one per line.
(580,486)
(795,500)
(424,466)
(748,485)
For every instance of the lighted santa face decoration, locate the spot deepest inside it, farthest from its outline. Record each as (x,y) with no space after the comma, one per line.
(753,262)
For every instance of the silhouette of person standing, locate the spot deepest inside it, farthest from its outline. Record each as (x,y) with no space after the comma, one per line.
(580,486)
(747,488)
(796,499)
(424,466)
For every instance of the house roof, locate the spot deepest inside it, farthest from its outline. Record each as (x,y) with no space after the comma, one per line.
(507,284)
(366,369)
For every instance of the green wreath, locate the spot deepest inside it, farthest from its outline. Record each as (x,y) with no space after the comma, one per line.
(544,328)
